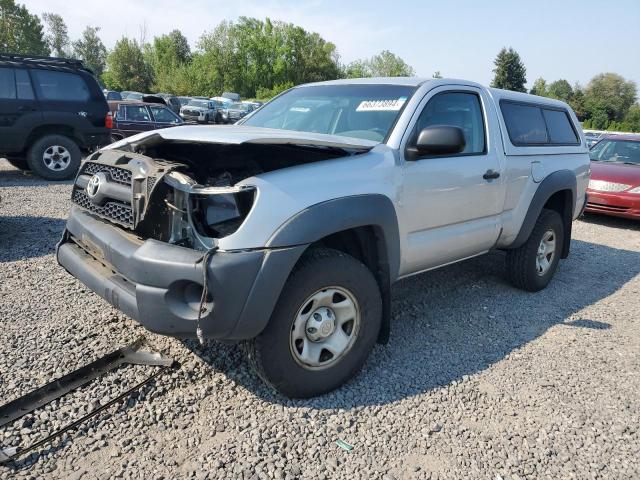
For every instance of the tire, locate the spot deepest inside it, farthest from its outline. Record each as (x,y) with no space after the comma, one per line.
(523,268)
(19,162)
(319,272)
(114,138)
(64,167)
(206,118)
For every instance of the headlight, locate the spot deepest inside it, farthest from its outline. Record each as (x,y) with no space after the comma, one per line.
(604,186)
(635,189)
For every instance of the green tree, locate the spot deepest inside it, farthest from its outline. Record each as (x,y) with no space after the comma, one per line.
(510,73)
(560,89)
(57,35)
(166,55)
(268,93)
(385,64)
(610,93)
(20,31)
(539,87)
(126,67)
(633,118)
(577,102)
(90,49)
(249,54)
(357,69)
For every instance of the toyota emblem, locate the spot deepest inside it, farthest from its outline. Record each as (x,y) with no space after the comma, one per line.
(93,186)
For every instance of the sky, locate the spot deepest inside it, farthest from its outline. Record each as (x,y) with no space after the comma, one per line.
(570,39)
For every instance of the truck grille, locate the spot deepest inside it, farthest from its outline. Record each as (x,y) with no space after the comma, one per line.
(114,211)
(119,175)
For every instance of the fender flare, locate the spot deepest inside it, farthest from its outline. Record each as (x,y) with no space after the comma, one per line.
(552,184)
(344,213)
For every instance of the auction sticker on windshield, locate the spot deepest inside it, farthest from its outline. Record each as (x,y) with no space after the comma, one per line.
(392,105)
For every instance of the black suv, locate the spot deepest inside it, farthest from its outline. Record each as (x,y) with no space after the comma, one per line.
(51,111)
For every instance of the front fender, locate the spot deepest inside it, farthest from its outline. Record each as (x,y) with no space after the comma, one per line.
(336,215)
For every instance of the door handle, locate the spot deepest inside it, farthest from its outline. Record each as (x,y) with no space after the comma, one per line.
(491,174)
(22,108)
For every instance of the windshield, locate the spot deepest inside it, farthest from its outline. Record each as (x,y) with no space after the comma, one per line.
(198,103)
(360,111)
(238,106)
(618,151)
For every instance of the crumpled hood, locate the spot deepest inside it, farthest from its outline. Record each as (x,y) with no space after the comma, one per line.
(239,134)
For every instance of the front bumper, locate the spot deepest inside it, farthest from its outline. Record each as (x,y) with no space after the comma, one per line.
(619,204)
(159,285)
(199,117)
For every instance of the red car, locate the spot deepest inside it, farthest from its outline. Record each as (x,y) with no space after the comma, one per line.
(614,188)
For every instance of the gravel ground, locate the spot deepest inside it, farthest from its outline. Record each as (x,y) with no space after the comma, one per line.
(479,380)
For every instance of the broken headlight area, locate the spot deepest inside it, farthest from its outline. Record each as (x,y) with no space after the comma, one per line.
(198,215)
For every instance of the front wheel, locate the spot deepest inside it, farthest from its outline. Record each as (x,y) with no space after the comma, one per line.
(532,265)
(323,327)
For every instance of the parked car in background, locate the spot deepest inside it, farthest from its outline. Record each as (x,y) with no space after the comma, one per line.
(199,110)
(234,97)
(235,111)
(132,95)
(172,102)
(112,95)
(286,231)
(614,188)
(592,138)
(131,117)
(52,112)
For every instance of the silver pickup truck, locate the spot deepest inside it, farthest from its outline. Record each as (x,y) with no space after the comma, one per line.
(286,231)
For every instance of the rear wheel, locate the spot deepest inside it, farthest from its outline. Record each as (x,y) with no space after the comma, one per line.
(323,328)
(532,265)
(54,157)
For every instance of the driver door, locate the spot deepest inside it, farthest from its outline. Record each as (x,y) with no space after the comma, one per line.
(450,209)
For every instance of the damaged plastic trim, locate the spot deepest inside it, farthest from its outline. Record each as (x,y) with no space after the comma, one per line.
(130,355)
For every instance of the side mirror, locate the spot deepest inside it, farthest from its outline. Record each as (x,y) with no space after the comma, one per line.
(438,140)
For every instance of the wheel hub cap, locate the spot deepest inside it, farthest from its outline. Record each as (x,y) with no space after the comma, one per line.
(320,324)
(325,328)
(56,158)
(546,252)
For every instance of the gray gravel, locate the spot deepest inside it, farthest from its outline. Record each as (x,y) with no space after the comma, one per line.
(480,380)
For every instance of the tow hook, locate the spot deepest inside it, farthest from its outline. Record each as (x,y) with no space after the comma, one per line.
(129,355)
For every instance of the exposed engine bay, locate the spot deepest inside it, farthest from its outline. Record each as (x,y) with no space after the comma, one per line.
(184,193)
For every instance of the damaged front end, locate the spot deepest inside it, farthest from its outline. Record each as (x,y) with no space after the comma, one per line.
(146,212)
(160,199)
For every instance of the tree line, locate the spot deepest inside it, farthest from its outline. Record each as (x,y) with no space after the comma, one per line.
(607,102)
(260,58)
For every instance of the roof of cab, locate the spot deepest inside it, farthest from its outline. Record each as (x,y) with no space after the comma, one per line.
(409,81)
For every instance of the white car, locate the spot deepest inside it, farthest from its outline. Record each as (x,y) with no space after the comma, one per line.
(201,111)
(286,231)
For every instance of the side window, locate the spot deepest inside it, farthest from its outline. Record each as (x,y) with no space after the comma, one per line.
(163,115)
(559,127)
(61,86)
(23,85)
(525,124)
(457,109)
(7,83)
(137,113)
